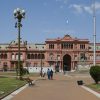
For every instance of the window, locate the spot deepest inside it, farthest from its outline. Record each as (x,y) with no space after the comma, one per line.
(82,46)
(5,56)
(91,57)
(35,56)
(16,56)
(13,56)
(28,56)
(32,56)
(51,56)
(51,64)
(51,46)
(43,57)
(67,45)
(82,56)
(39,56)
(58,57)
(58,46)
(75,57)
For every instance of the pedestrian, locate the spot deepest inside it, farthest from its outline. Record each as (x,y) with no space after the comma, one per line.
(48,73)
(43,73)
(51,74)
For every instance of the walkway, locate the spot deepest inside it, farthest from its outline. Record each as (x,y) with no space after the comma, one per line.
(61,88)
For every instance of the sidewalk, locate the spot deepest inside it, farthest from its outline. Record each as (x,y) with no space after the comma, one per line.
(61,88)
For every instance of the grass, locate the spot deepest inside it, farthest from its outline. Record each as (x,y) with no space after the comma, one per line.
(95,87)
(13,74)
(8,85)
(8,73)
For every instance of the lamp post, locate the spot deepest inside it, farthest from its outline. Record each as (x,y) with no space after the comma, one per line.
(41,63)
(57,65)
(19,14)
(94,34)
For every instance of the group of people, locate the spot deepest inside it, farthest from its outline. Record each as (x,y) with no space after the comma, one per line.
(50,74)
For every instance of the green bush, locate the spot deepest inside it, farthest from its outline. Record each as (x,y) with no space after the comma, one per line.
(95,73)
(24,71)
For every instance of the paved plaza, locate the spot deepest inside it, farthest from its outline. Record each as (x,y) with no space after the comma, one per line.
(62,87)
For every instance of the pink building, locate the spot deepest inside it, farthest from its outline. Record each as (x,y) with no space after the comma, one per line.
(65,53)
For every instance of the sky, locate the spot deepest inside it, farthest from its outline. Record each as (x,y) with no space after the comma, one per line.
(49,19)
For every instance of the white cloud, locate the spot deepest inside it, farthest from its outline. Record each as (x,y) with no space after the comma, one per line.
(97,5)
(77,8)
(88,9)
(81,8)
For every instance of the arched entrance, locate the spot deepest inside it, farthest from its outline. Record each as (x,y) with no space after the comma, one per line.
(66,62)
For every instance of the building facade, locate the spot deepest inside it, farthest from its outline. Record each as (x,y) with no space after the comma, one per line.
(63,54)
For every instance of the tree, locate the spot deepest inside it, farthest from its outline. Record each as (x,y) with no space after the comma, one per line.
(95,73)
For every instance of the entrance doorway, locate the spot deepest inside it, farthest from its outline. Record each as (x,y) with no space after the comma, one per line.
(67,63)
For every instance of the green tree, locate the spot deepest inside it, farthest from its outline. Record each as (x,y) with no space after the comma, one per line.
(95,73)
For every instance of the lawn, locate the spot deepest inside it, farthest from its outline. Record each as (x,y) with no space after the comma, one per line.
(13,74)
(95,87)
(7,73)
(7,85)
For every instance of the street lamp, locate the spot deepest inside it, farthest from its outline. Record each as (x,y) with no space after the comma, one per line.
(94,34)
(19,14)
(41,64)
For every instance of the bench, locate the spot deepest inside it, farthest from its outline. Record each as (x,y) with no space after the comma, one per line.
(29,81)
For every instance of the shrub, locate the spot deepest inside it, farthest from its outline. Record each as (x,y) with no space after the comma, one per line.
(24,71)
(95,73)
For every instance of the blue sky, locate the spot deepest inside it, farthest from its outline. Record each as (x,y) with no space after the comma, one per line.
(49,19)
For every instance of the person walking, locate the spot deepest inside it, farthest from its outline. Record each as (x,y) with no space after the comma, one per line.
(43,73)
(48,73)
(51,74)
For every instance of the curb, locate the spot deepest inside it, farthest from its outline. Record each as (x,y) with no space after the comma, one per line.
(91,91)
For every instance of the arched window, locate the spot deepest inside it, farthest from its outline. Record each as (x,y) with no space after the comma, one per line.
(71,46)
(13,56)
(16,56)
(39,56)
(32,56)
(28,56)
(51,56)
(35,56)
(43,57)
(1,56)
(58,57)
(5,56)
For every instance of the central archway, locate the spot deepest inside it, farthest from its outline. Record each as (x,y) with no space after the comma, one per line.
(66,62)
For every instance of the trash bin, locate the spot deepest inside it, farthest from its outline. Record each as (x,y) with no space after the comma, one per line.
(80,82)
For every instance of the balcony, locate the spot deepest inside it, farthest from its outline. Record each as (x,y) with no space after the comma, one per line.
(53,59)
